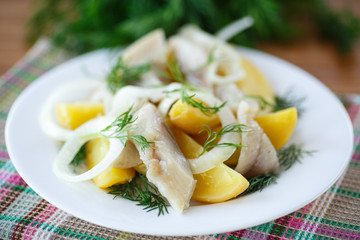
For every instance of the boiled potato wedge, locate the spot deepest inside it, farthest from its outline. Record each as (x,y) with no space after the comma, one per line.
(278,126)
(96,150)
(219,184)
(72,115)
(190,119)
(254,83)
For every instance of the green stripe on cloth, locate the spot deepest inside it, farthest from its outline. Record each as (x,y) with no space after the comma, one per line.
(346,192)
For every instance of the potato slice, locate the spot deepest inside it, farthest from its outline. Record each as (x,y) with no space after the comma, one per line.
(96,150)
(188,146)
(254,82)
(72,115)
(219,184)
(141,168)
(190,119)
(278,126)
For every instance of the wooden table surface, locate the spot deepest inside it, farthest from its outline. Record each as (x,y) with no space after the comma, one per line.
(340,74)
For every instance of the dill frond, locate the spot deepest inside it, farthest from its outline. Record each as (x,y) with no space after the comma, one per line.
(122,75)
(213,137)
(119,127)
(260,182)
(189,99)
(141,191)
(79,157)
(281,102)
(288,156)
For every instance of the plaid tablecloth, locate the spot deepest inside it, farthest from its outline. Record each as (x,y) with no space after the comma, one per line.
(25,215)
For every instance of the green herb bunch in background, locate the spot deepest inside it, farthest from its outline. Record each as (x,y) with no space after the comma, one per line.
(84,25)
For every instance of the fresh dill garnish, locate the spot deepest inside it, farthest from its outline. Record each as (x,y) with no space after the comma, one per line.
(122,75)
(79,157)
(281,102)
(289,100)
(290,155)
(260,182)
(173,70)
(263,103)
(209,60)
(189,99)
(119,127)
(287,157)
(213,136)
(141,191)
(82,26)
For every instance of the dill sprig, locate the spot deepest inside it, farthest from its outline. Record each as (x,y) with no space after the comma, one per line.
(288,156)
(122,75)
(213,136)
(281,102)
(141,191)
(189,99)
(175,73)
(174,69)
(289,100)
(260,182)
(119,127)
(81,26)
(79,157)
(211,58)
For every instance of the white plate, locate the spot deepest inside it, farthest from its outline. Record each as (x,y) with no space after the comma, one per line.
(324,127)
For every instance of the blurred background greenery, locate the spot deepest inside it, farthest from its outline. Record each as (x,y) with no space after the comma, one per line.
(84,25)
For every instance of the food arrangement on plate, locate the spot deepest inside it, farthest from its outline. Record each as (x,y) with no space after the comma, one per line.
(178,119)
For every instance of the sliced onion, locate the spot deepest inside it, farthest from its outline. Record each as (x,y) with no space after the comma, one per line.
(77,139)
(234,28)
(80,90)
(130,95)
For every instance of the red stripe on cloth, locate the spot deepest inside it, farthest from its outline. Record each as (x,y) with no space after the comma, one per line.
(31,229)
(4,154)
(18,229)
(11,180)
(337,232)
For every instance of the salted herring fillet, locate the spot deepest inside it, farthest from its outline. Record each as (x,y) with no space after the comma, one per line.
(259,156)
(167,168)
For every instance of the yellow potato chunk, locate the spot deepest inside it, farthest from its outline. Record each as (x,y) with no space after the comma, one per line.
(96,150)
(278,126)
(219,184)
(254,82)
(72,115)
(141,168)
(190,119)
(188,146)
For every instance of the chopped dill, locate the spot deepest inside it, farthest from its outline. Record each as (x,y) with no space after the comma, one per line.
(214,136)
(79,157)
(119,127)
(173,71)
(122,75)
(189,99)
(209,60)
(290,155)
(260,182)
(141,191)
(288,100)
(281,102)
